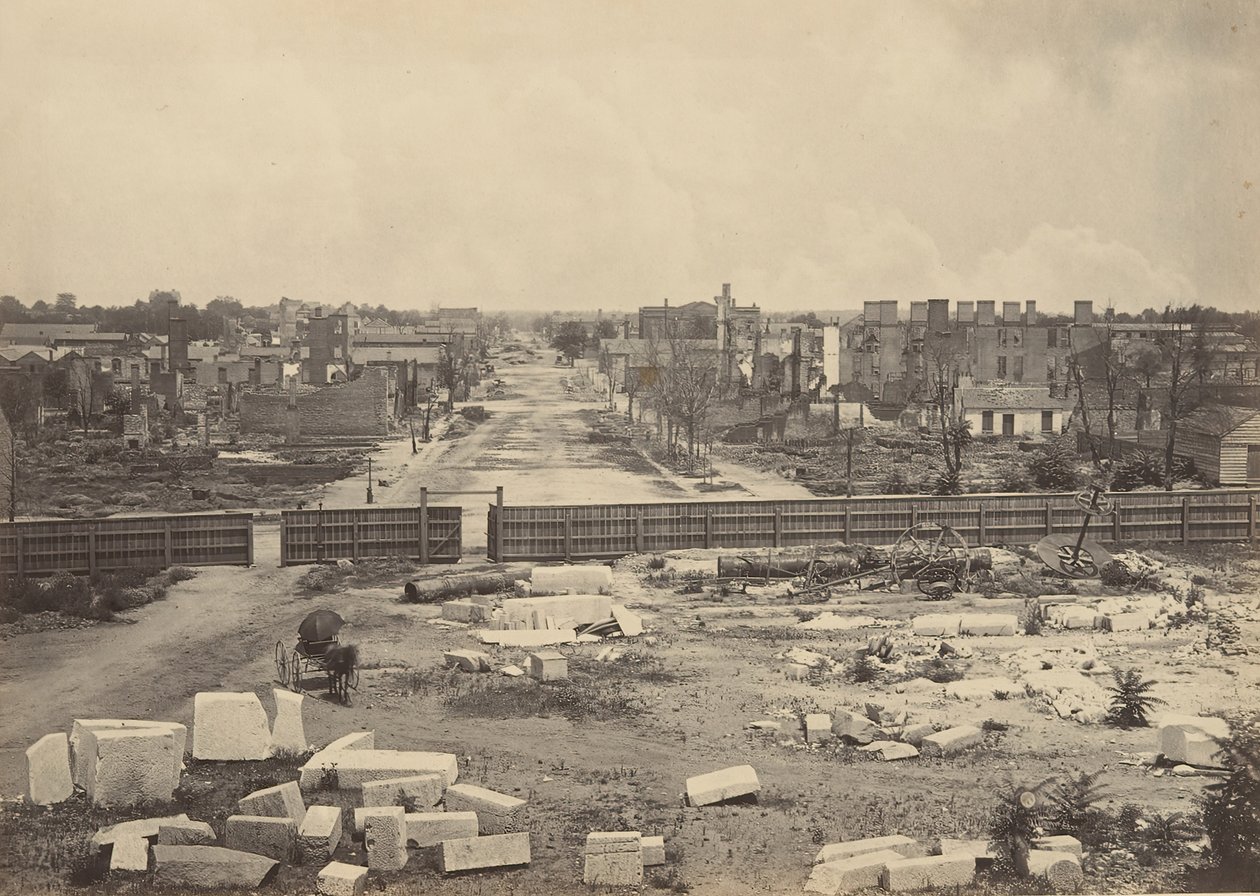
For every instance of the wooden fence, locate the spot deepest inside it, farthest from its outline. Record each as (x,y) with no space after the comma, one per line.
(43,547)
(603,531)
(427,533)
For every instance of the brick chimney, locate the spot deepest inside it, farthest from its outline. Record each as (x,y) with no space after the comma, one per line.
(1084,312)
(1030,313)
(966,313)
(984,313)
(177,347)
(1010,313)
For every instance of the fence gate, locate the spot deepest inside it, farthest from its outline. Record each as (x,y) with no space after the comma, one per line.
(426,533)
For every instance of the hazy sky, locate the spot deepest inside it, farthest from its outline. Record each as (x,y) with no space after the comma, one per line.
(610,154)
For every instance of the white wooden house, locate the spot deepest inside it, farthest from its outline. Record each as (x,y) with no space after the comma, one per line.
(1224,442)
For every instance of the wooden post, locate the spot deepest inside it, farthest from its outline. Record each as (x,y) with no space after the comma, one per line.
(1049,518)
(284,540)
(982,537)
(354,535)
(1185,520)
(499,549)
(1251,519)
(424,525)
(249,540)
(167,548)
(92,550)
(21,545)
(778,525)
(638,529)
(914,516)
(848,523)
(1115,520)
(708,527)
(568,534)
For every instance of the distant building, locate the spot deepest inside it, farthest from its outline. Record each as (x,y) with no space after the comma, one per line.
(1010,410)
(1224,443)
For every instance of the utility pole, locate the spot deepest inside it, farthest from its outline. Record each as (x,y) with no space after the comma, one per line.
(369,488)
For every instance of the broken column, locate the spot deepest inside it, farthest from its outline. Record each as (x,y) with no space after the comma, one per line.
(613,859)
(288,734)
(48,778)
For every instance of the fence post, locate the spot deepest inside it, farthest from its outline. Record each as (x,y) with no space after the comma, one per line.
(708,526)
(21,545)
(92,549)
(424,525)
(914,516)
(1185,520)
(284,541)
(568,535)
(638,529)
(848,524)
(167,547)
(1049,518)
(499,549)
(249,540)
(1115,520)
(1251,518)
(354,535)
(778,525)
(982,534)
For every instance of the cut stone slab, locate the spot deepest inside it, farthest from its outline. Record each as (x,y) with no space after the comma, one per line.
(977,849)
(929,871)
(467,660)
(854,726)
(210,867)
(230,725)
(653,851)
(613,859)
(914,734)
(836,852)
(319,833)
(600,842)
(340,879)
(275,838)
(141,827)
(358,767)
(431,828)
(512,671)
(951,740)
(83,766)
(588,579)
(526,637)
(385,837)
(726,784)
(282,801)
(1191,739)
(572,609)
(129,854)
(1127,622)
(48,779)
(1061,843)
(466,609)
(355,740)
(891,751)
(186,833)
(124,767)
(982,688)
(937,625)
(495,851)
(418,790)
(853,873)
(288,733)
(818,728)
(630,623)
(547,665)
(1074,617)
(497,813)
(1062,870)
(994,624)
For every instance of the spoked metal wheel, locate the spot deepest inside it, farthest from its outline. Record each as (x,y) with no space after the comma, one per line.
(295,671)
(937,556)
(283,672)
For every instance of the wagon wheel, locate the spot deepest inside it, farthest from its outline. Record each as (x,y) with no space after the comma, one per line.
(938,581)
(282,663)
(933,549)
(295,668)
(1094,504)
(352,680)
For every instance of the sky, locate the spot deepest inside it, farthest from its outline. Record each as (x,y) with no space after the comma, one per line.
(580,155)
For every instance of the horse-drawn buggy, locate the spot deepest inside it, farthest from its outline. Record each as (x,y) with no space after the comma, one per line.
(319,650)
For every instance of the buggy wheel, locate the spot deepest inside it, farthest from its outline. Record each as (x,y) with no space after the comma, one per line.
(282,663)
(295,671)
(352,680)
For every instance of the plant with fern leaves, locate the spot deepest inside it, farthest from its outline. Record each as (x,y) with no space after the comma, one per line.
(1231,807)
(1015,826)
(1131,700)
(1070,803)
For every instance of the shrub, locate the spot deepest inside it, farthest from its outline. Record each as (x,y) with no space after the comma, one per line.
(1136,471)
(949,483)
(864,669)
(1055,465)
(1165,833)
(1231,808)
(896,484)
(1014,826)
(1130,700)
(940,671)
(474,413)
(1070,805)
(656,561)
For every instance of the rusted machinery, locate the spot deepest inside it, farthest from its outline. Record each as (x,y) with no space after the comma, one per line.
(1078,557)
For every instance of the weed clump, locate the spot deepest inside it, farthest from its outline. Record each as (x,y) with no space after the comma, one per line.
(1131,700)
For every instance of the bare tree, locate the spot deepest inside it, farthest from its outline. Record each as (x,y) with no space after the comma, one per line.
(1187,355)
(608,367)
(83,391)
(944,354)
(634,386)
(9,468)
(684,384)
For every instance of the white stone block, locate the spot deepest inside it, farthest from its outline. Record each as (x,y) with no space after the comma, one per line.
(1128,622)
(467,660)
(929,871)
(129,854)
(837,852)
(340,879)
(186,833)
(385,836)
(48,770)
(613,859)
(573,609)
(586,579)
(890,752)
(288,734)
(653,851)
(853,873)
(853,726)
(527,637)
(818,728)
(719,786)
(989,624)
(128,766)
(497,813)
(431,828)
(281,801)
(140,827)
(230,726)
(1191,739)
(275,838)
(495,851)
(951,740)
(937,625)
(82,768)
(209,867)
(547,665)
(418,790)
(319,833)
(357,767)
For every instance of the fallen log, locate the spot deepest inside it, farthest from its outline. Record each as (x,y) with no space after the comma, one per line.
(831,564)
(449,587)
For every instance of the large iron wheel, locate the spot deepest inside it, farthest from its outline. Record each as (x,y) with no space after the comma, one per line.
(295,667)
(934,554)
(282,664)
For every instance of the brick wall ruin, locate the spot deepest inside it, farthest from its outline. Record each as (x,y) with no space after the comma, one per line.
(359,408)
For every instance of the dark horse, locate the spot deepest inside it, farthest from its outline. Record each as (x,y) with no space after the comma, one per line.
(341,662)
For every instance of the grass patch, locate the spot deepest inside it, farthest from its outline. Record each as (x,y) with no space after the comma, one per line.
(99,597)
(332,577)
(578,699)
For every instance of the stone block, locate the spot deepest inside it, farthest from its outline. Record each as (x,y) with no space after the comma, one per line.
(928,872)
(630,623)
(357,767)
(82,765)
(140,827)
(796,671)
(129,854)
(853,873)
(288,733)
(573,609)
(495,851)
(1061,843)
(892,751)
(951,740)
(48,779)
(526,637)
(1191,739)
(282,801)
(319,833)
(547,665)
(497,813)
(726,784)
(1074,617)
(414,790)
(466,610)
(853,726)
(1127,622)
(124,767)
(340,879)
(355,740)
(467,660)
(598,842)
(230,726)
(982,688)
(275,838)
(1195,748)
(1062,870)
(979,850)
(937,625)
(914,734)
(996,624)
(186,833)
(653,851)
(818,728)
(613,859)
(385,837)
(587,579)
(431,828)
(902,845)
(210,867)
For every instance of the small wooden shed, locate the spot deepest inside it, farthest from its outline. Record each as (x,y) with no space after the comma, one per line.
(1224,442)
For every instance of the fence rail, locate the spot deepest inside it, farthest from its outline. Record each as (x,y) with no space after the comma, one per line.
(43,547)
(430,534)
(604,531)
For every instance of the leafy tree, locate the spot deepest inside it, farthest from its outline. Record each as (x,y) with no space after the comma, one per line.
(56,387)
(66,302)
(18,400)
(604,329)
(570,339)
(1131,700)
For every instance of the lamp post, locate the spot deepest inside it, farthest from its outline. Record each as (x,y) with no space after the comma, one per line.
(369,488)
